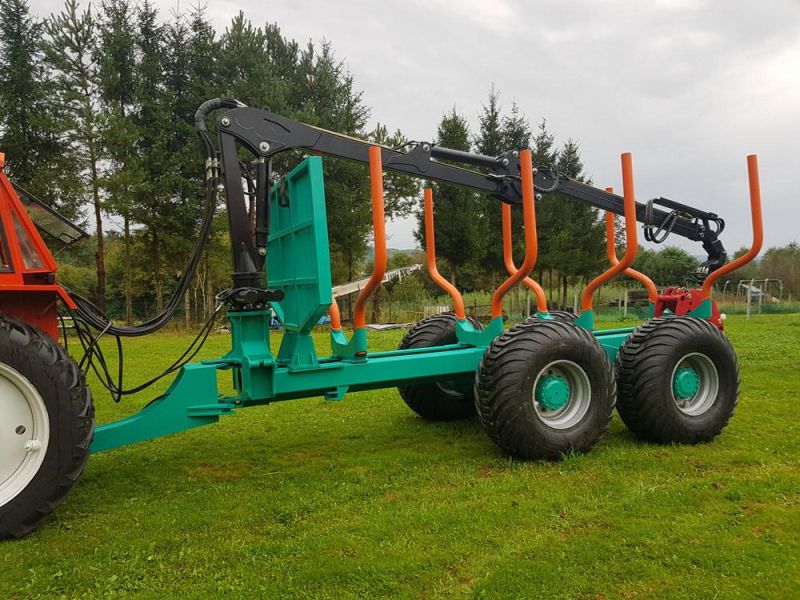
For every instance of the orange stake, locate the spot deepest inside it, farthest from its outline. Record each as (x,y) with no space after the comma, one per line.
(508,259)
(611,250)
(336,316)
(379,229)
(631,242)
(758,230)
(531,249)
(430,253)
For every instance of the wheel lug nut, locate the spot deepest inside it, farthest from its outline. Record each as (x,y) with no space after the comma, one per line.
(33,446)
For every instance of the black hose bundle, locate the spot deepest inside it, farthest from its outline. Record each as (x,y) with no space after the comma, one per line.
(88,315)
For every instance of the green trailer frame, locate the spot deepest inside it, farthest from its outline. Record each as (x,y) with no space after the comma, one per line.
(299,266)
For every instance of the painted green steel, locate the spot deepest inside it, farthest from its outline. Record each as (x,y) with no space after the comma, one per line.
(685,383)
(191,401)
(586,320)
(703,311)
(467,334)
(552,392)
(298,260)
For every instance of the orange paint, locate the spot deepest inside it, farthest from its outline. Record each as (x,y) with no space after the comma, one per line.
(379,235)
(336,316)
(430,253)
(758,230)
(529,218)
(508,259)
(631,242)
(611,250)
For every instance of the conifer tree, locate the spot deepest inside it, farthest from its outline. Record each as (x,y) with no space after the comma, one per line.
(460,234)
(70,47)
(117,72)
(37,156)
(491,142)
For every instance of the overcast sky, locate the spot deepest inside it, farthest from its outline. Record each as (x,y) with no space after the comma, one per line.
(689,86)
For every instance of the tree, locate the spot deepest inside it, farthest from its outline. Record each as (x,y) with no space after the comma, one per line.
(38,158)
(571,236)
(117,78)
(491,141)
(668,267)
(460,233)
(244,67)
(152,207)
(330,100)
(70,49)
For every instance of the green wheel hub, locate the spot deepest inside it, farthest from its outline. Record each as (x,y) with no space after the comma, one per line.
(552,392)
(685,383)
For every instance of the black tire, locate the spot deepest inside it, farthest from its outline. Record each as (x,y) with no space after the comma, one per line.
(37,358)
(438,401)
(647,364)
(564,316)
(506,380)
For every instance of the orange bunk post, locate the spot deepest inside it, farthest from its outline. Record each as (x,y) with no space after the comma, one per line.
(586,317)
(336,316)
(611,251)
(758,231)
(357,346)
(430,253)
(531,248)
(508,259)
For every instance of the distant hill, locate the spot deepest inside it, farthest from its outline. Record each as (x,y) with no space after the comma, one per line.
(391,251)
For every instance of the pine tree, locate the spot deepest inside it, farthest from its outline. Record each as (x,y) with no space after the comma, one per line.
(516,130)
(151,205)
(70,49)
(244,66)
(572,235)
(37,156)
(117,66)
(460,234)
(491,142)
(330,100)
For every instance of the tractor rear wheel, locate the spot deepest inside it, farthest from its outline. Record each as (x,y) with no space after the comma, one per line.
(46,426)
(545,388)
(678,380)
(438,400)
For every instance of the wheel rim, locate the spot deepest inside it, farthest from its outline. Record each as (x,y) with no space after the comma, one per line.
(695,383)
(562,394)
(24,433)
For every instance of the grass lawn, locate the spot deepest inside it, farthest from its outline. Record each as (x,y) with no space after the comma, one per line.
(362,499)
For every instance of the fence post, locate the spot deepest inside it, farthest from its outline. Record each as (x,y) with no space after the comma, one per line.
(528,304)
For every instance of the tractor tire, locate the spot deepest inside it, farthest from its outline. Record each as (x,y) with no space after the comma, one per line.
(678,380)
(564,316)
(46,426)
(545,388)
(438,400)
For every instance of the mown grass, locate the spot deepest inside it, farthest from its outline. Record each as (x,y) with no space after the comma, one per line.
(361,499)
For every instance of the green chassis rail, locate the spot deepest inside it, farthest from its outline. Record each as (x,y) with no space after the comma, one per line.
(298,263)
